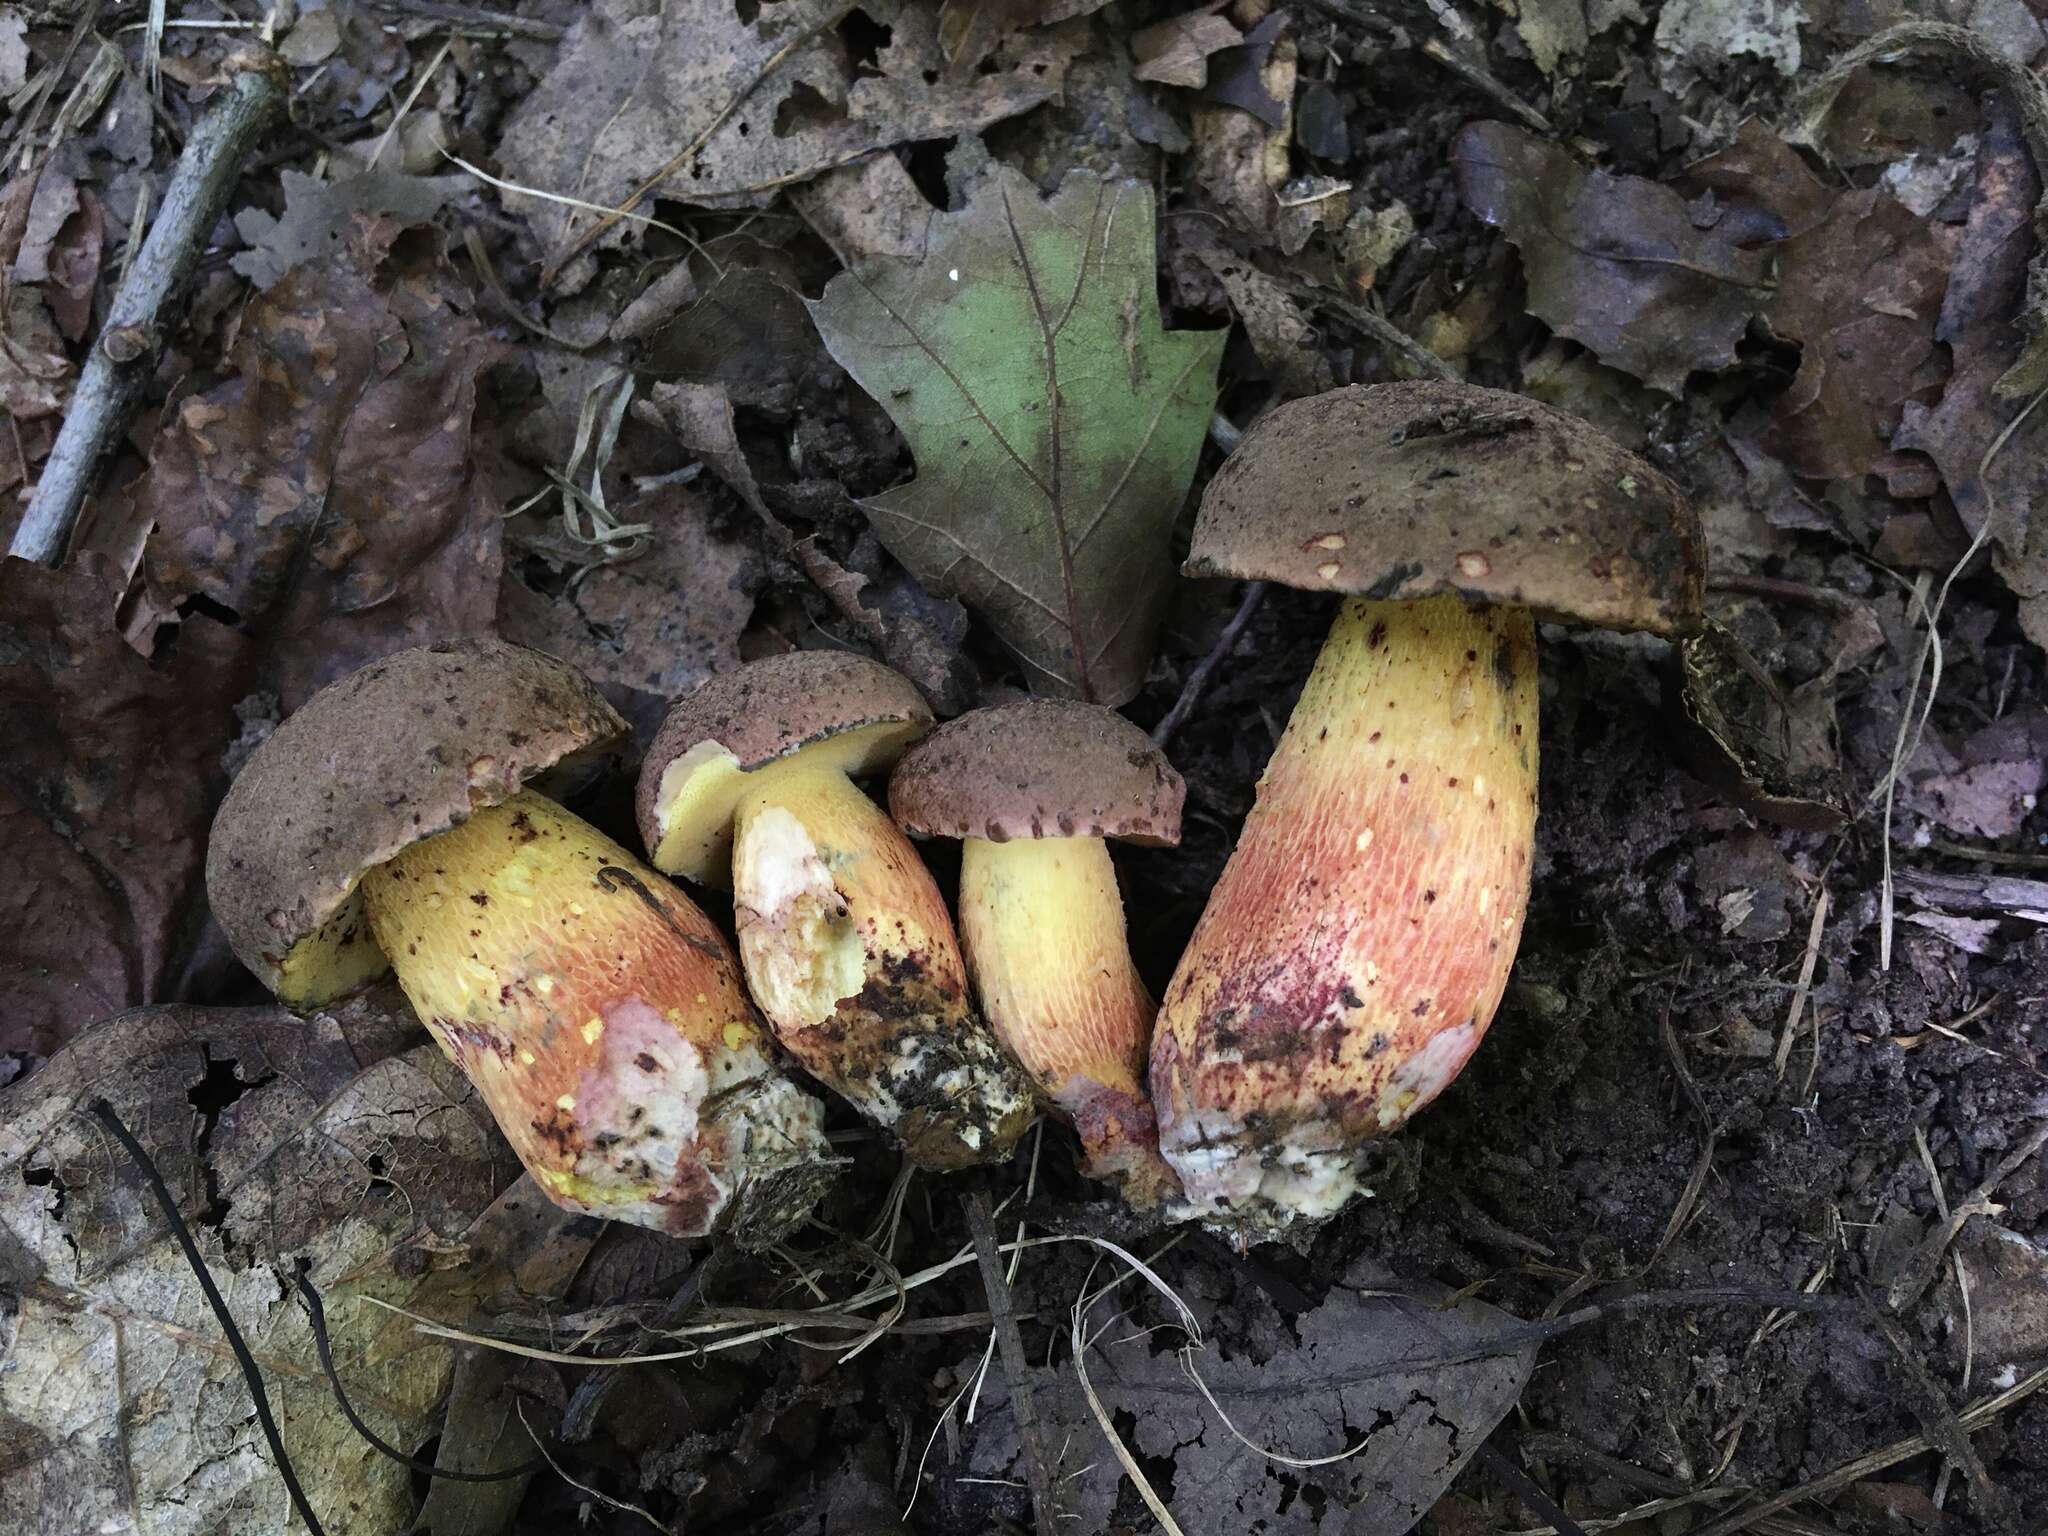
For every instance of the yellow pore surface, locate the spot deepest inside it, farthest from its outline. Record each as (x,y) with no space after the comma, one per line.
(1042,923)
(572,983)
(829,895)
(1360,937)
(700,793)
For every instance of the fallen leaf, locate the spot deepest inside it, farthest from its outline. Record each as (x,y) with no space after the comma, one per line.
(1281,334)
(107,773)
(13,51)
(1553,30)
(749,106)
(284,1139)
(1985,786)
(1978,322)
(320,216)
(1317,1394)
(700,417)
(1860,292)
(326,491)
(660,623)
(1242,128)
(1176,51)
(1054,421)
(867,210)
(1697,38)
(1613,262)
(748,334)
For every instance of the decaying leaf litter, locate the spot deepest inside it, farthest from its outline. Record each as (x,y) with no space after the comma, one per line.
(572,324)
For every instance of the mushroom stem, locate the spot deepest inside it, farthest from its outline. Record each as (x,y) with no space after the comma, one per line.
(1359,940)
(601,1016)
(851,955)
(1043,927)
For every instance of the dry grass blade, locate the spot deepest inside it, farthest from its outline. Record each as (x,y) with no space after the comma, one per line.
(1804,985)
(1081,1341)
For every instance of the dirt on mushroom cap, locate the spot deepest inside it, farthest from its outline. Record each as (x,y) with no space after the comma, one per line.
(1045,768)
(393,753)
(1407,490)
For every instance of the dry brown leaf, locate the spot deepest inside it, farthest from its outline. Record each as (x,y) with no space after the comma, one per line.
(1176,51)
(284,1139)
(1978,322)
(660,623)
(866,211)
(1614,262)
(754,105)
(1240,156)
(1280,333)
(107,773)
(326,492)
(1860,292)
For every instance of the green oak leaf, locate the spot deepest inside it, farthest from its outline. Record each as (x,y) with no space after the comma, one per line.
(1055,421)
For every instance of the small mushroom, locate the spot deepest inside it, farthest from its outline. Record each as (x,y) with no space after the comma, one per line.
(1359,940)
(1032,790)
(846,941)
(597,1010)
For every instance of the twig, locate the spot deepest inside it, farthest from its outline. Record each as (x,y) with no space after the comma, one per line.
(1917,1275)
(1525,1488)
(1198,680)
(1973,1418)
(1938,1422)
(1382,330)
(104,1113)
(123,357)
(473,21)
(1015,1366)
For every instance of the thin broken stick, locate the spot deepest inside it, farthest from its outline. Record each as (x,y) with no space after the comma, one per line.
(1010,1344)
(124,355)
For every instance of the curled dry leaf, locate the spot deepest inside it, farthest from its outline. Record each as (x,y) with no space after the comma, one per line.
(108,765)
(283,1139)
(1614,262)
(1054,419)
(735,110)
(326,492)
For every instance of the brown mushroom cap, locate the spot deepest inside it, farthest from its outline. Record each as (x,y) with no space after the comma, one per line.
(389,755)
(1407,490)
(752,716)
(1047,768)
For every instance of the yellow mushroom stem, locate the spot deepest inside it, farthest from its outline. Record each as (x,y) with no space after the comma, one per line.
(1043,926)
(851,955)
(602,1018)
(1359,940)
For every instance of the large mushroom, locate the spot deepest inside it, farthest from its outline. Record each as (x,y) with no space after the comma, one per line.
(846,941)
(1032,790)
(389,822)
(1359,940)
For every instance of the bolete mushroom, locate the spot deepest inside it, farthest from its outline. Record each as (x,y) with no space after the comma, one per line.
(846,941)
(1359,940)
(1032,790)
(598,1011)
